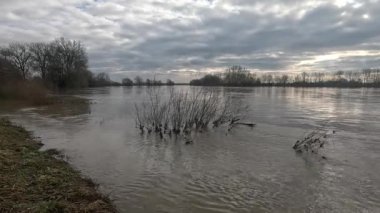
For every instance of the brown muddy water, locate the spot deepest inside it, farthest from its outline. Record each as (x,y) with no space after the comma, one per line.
(246,170)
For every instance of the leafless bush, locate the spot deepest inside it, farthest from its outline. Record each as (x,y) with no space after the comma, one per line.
(185,112)
(313,141)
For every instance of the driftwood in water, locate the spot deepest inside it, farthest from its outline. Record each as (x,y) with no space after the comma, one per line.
(235,122)
(313,141)
(246,124)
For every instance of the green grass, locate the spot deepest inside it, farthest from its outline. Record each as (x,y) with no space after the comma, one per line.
(35,181)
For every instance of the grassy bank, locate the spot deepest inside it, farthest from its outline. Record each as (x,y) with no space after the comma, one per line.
(60,105)
(35,181)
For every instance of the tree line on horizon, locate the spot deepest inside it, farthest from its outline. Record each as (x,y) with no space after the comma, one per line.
(138,81)
(63,64)
(240,76)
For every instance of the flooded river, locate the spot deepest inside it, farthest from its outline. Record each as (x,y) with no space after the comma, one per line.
(246,170)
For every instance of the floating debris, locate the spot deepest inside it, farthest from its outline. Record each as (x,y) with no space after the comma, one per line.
(313,141)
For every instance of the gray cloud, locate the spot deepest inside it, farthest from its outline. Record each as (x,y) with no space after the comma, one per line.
(174,38)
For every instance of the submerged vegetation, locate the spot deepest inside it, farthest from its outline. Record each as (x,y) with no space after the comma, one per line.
(313,141)
(240,76)
(186,112)
(35,181)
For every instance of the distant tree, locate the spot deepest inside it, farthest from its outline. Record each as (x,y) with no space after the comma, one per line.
(367,75)
(103,77)
(127,82)
(169,82)
(196,82)
(138,80)
(284,79)
(148,82)
(320,77)
(264,78)
(207,80)
(357,76)
(297,79)
(212,80)
(349,76)
(304,77)
(376,76)
(238,76)
(339,75)
(277,79)
(100,80)
(157,82)
(267,78)
(314,77)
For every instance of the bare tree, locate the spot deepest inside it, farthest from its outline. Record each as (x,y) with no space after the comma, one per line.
(169,82)
(61,63)
(127,82)
(103,78)
(320,77)
(40,57)
(376,76)
(349,75)
(19,55)
(304,77)
(284,79)
(67,62)
(357,76)
(148,82)
(138,80)
(339,75)
(367,75)
(267,78)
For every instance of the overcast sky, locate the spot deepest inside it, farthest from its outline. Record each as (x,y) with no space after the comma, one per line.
(180,38)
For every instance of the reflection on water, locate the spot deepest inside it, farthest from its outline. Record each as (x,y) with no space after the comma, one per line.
(248,170)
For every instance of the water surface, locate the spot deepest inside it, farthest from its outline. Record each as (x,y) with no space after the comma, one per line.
(246,170)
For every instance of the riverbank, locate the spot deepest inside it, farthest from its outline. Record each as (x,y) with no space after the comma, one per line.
(63,105)
(36,181)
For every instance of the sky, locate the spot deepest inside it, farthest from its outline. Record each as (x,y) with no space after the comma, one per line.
(184,39)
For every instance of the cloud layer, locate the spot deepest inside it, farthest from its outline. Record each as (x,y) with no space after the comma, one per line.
(180,38)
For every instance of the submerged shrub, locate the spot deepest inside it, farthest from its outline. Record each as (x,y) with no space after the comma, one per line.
(185,112)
